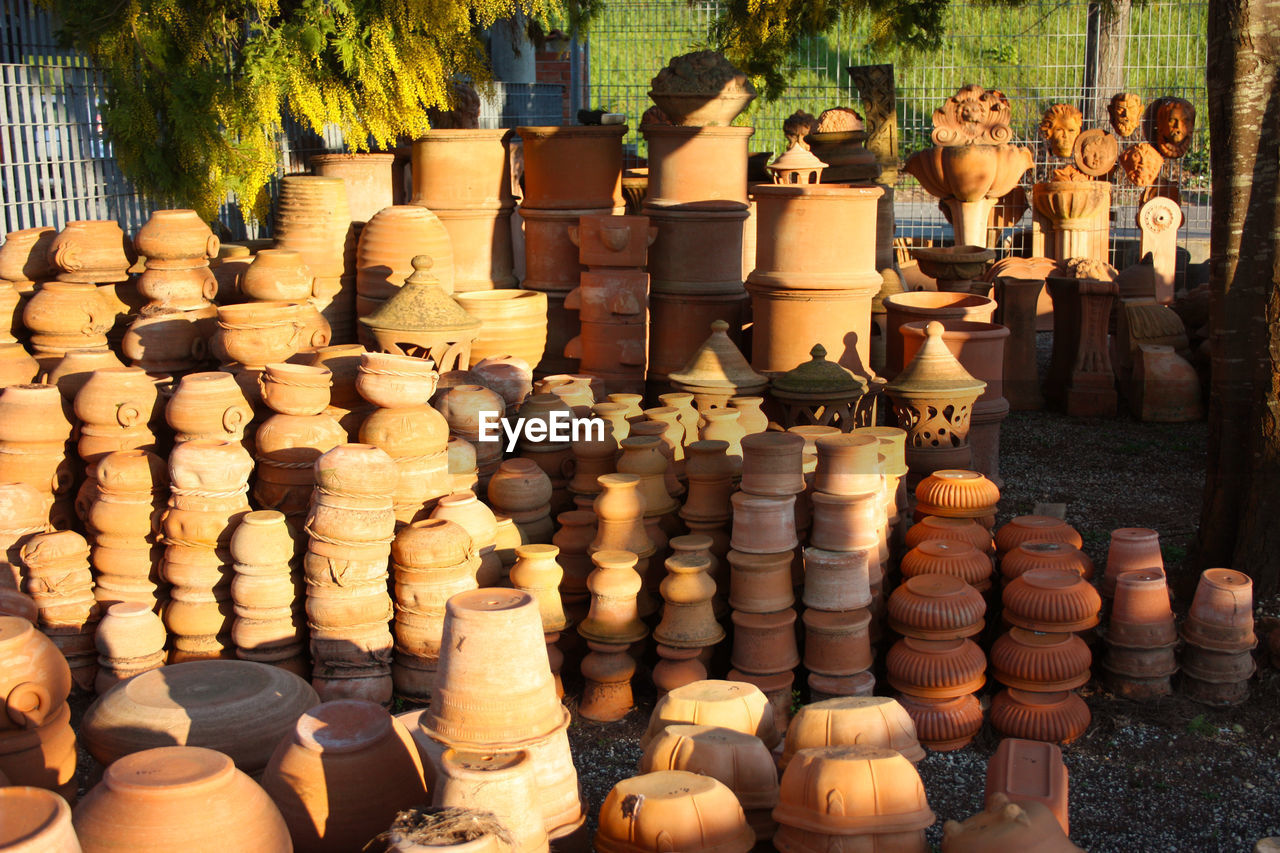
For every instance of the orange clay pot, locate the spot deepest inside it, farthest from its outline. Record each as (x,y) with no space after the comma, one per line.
(1141,616)
(760,583)
(503,784)
(1058,556)
(944,725)
(681,811)
(936,607)
(1052,717)
(1052,601)
(957,494)
(772,464)
(1030,771)
(867,720)
(845,522)
(763,524)
(1131,549)
(727,704)
(765,643)
(847,464)
(952,529)
(1043,663)
(1221,614)
(836,580)
(956,558)
(33,820)
(836,644)
(1035,528)
(34,678)
(936,669)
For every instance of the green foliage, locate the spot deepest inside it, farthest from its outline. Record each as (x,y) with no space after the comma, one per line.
(198,88)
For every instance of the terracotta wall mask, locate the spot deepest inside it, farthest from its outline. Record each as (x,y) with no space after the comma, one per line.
(1141,164)
(1125,111)
(1059,127)
(1175,121)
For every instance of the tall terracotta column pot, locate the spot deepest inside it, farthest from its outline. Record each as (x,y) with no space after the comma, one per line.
(464,177)
(927,305)
(368,180)
(696,164)
(313,217)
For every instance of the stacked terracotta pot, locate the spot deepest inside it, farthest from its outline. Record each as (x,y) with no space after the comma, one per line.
(1217,661)
(77,310)
(569,172)
(1141,636)
(688,632)
(370,178)
(537,572)
(465,409)
(58,579)
(431,561)
(412,433)
(313,218)
(288,443)
(268,594)
(350,526)
(130,641)
(208,405)
(124,523)
(37,745)
(697,201)
(115,407)
(346,406)
(25,261)
(1132,549)
(553,457)
(494,705)
(612,300)
(521,491)
(815,275)
(642,455)
(279,275)
(842,566)
(480,523)
(1041,660)
(208,481)
(761,582)
(171,332)
(954,493)
(595,453)
(252,335)
(34,439)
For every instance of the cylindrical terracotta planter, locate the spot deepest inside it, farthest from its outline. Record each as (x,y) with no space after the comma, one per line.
(927,305)
(368,178)
(513,323)
(817,237)
(572,167)
(697,164)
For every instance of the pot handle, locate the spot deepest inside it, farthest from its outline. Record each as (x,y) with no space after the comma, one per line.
(66,256)
(573,234)
(573,300)
(211,246)
(28,705)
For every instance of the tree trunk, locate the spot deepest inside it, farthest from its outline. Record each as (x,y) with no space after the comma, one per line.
(1106,58)
(1240,522)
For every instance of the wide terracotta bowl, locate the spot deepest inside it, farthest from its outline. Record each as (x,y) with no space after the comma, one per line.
(957,494)
(1051,600)
(956,557)
(730,704)
(1041,662)
(952,529)
(179,798)
(680,811)
(944,725)
(936,669)
(1054,717)
(849,720)
(739,760)
(937,607)
(851,790)
(1045,555)
(1035,528)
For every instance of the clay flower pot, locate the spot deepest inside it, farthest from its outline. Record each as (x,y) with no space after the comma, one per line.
(572,168)
(844,522)
(342,774)
(1221,614)
(836,580)
(760,583)
(1043,663)
(836,644)
(1131,549)
(123,397)
(765,643)
(936,669)
(1141,616)
(35,821)
(512,323)
(179,797)
(277,275)
(763,524)
(866,720)
(936,607)
(682,811)
(240,708)
(957,558)
(847,464)
(502,784)
(1030,771)
(92,250)
(1053,717)
(176,235)
(1217,667)
(944,725)
(952,529)
(25,255)
(208,405)
(772,464)
(957,494)
(1035,528)
(1052,601)
(130,640)
(259,333)
(727,704)
(1054,556)
(65,315)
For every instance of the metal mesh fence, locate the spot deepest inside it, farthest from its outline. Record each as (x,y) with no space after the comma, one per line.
(1035,53)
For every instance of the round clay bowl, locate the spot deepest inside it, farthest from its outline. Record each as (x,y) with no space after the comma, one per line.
(259,333)
(1221,614)
(936,669)
(1051,601)
(296,389)
(1040,662)
(738,760)
(957,558)
(1141,616)
(179,798)
(682,811)
(395,381)
(33,820)
(343,774)
(729,704)
(1035,528)
(240,708)
(851,790)
(849,720)
(957,494)
(34,677)
(1045,555)
(944,725)
(937,607)
(952,529)
(1053,717)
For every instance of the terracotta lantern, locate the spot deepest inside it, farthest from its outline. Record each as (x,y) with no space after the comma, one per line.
(797,165)
(424,321)
(933,399)
(822,392)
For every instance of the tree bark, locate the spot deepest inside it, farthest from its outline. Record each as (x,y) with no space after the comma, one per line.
(1107,58)
(1240,521)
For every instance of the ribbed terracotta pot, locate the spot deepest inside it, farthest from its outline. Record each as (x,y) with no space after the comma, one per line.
(936,669)
(1051,600)
(944,725)
(1035,528)
(955,557)
(957,529)
(513,323)
(936,607)
(957,494)
(1053,717)
(1058,556)
(1043,663)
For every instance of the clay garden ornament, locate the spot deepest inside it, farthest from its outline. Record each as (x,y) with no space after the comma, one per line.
(1059,126)
(701,89)
(973,115)
(1141,164)
(797,126)
(1095,152)
(1171,123)
(1125,112)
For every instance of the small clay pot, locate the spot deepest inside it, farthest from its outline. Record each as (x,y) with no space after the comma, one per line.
(760,583)
(208,405)
(258,333)
(1035,528)
(836,580)
(936,669)
(1052,717)
(1221,614)
(952,529)
(753,420)
(772,464)
(1141,616)
(35,821)
(765,643)
(837,644)
(763,524)
(503,784)
(936,607)
(295,389)
(277,275)
(957,494)
(176,235)
(1043,663)
(847,464)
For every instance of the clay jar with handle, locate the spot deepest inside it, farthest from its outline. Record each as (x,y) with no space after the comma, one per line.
(34,677)
(208,405)
(176,235)
(67,315)
(179,797)
(92,250)
(259,333)
(296,389)
(342,775)
(683,811)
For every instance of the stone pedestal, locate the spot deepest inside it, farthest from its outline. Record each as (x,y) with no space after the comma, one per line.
(1081,379)
(1017,299)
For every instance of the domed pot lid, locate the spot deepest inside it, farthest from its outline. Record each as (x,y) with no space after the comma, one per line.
(821,378)
(422,305)
(718,363)
(934,370)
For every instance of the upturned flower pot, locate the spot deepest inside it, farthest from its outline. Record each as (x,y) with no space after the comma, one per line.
(92,250)
(709,470)
(944,725)
(1221,614)
(1035,528)
(1045,555)
(688,618)
(847,464)
(760,583)
(936,669)
(837,644)
(1141,616)
(503,784)
(614,584)
(1051,601)
(1053,717)
(763,524)
(65,315)
(765,643)
(679,806)
(867,720)
(844,522)
(836,580)
(620,509)
(732,705)
(955,557)
(936,607)
(968,530)
(1043,663)
(772,464)
(176,235)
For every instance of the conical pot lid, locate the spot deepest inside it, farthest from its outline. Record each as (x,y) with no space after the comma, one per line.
(797,158)
(718,363)
(819,376)
(421,305)
(934,369)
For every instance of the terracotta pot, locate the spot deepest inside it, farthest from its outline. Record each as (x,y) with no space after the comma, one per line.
(1053,717)
(130,630)
(836,580)
(358,469)
(725,704)
(237,707)
(678,815)
(33,414)
(1141,616)
(591,155)
(447,829)
(957,494)
(1052,601)
(574,533)
(464,407)
(1043,663)
(614,584)
(765,643)
(954,557)
(67,315)
(176,235)
(91,250)
(936,607)
(171,342)
(17,367)
(952,529)
(697,164)
(837,644)
(620,508)
(795,248)
(904,308)
(73,370)
(36,821)
(502,784)
(510,376)
(978,346)
(35,679)
(259,333)
(763,524)
(179,795)
(42,756)
(513,323)
(1217,667)
(771,464)
(725,425)
(208,405)
(25,255)
(1035,528)
(760,583)
(944,725)
(368,179)
(181,288)
(382,263)
(1057,556)
(844,522)
(465,509)
(536,572)
(1028,771)
(855,720)
(710,474)
(277,275)
(1221,614)
(1131,549)
(119,397)
(295,389)
(688,618)
(847,464)
(848,791)
(936,669)
(342,774)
